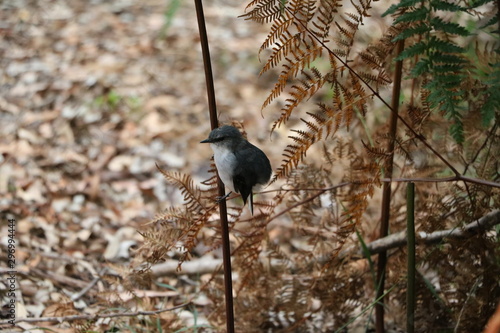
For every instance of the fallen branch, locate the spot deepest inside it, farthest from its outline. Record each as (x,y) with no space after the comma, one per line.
(202,266)
(92,316)
(399,239)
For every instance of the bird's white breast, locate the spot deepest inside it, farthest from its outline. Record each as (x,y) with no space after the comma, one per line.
(225,161)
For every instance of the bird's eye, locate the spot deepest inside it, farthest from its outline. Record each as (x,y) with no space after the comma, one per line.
(219,139)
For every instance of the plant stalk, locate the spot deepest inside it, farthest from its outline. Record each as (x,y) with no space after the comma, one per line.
(410,289)
(212,107)
(386,190)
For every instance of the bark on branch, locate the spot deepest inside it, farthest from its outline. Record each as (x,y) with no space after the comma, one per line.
(399,239)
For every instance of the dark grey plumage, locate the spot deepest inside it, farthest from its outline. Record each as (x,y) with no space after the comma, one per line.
(242,167)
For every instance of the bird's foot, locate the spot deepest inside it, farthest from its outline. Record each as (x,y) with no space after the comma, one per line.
(224,197)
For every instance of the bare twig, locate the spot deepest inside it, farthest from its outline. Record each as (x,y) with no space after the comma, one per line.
(62,279)
(320,192)
(93,316)
(92,283)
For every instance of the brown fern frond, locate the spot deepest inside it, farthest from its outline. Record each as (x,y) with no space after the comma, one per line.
(332,118)
(310,85)
(287,42)
(279,86)
(417,115)
(375,152)
(264,11)
(424,100)
(252,3)
(280,27)
(309,10)
(353,17)
(325,16)
(301,59)
(348,32)
(487,54)
(362,9)
(371,59)
(341,53)
(360,92)
(295,153)
(168,229)
(185,184)
(344,100)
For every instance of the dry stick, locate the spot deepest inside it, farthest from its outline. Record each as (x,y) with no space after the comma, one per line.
(386,190)
(399,239)
(306,200)
(93,316)
(63,279)
(212,106)
(410,228)
(92,283)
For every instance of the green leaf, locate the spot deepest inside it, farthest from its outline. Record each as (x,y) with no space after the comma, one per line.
(491,21)
(415,49)
(402,4)
(457,131)
(443,5)
(477,3)
(444,46)
(419,14)
(448,27)
(449,81)
(367,254)
(446,58)
(418,30)
(421,67)
(489,108)
(447,68)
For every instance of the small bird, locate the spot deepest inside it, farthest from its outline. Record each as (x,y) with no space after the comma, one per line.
(242,167)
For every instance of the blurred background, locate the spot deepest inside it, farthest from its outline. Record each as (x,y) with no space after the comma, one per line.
(92,95)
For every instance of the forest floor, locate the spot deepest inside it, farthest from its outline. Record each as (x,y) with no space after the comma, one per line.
(93,95)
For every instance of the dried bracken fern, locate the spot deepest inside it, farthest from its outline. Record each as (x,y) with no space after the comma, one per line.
(293,270)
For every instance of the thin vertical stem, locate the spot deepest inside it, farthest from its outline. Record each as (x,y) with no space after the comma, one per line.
(212,107)
(410,229)
(386,191)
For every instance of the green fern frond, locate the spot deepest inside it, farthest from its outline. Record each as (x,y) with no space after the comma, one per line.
(419,29)
(448,27)
(446,6)
(401,5)
(415,15)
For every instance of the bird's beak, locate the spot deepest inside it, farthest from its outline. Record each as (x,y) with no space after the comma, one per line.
(205,141)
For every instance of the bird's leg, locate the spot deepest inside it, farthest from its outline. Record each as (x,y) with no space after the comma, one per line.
(224,197)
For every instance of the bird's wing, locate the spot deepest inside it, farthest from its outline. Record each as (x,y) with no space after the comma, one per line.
(253,168)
